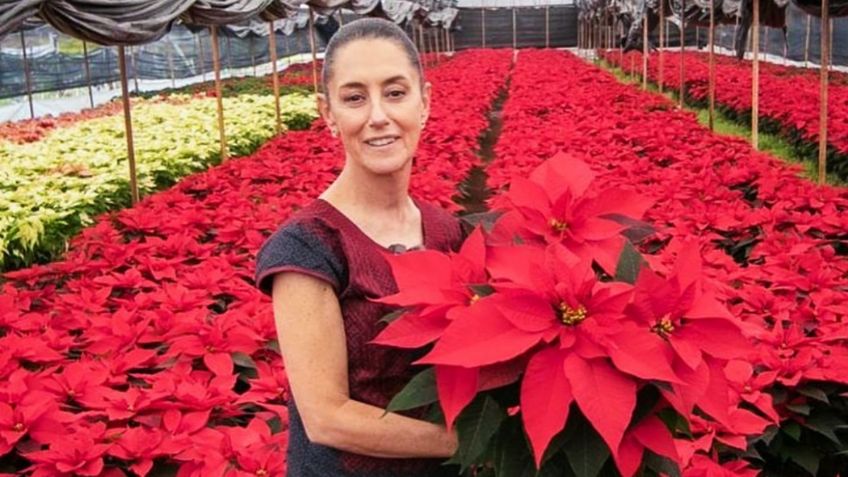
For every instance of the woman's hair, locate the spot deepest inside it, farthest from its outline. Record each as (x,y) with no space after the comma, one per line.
(369,28)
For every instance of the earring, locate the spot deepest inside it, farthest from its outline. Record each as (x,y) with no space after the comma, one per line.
(334,132)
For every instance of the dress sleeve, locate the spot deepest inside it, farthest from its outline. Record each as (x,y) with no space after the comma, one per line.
(303,248)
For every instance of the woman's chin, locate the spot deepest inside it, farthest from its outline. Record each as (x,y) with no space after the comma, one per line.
(386,165)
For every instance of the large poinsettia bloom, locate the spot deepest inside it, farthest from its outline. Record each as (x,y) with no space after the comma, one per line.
(567,320)
(561,203)
(436,287)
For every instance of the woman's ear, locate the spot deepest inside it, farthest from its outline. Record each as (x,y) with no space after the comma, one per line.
(326,115)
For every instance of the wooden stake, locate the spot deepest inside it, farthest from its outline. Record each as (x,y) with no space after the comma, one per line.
(125,97)
(645,49)
(275,78)
(514,37)
(341,18)
(547,26)
(807,43)
(825,59)
(314,51)
(662,45)
(216,65)
(682,52)
(27,75)
(712,81)
(87,73)
(755,79)
(483,23)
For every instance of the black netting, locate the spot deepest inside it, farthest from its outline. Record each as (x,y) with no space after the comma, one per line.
(57,62)
(530,27)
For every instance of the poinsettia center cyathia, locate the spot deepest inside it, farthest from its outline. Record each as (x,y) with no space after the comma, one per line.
(571,316)
(261,473)
(663,327)
(18,427)
(474,299)
(558,226)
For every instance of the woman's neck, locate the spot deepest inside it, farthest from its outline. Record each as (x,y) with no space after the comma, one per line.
(359,193)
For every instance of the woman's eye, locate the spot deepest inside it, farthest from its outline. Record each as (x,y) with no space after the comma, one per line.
(396,94)
(354,98)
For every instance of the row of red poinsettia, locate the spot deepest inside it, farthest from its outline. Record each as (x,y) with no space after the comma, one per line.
(789,96)
(773,244)
(148,346)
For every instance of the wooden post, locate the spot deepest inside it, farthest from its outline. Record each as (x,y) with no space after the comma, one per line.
(171,64)
(87,73)
(314,51)
(483,23)
(697,37)
(216,64)
(755,79)
(547,26)
(645,49)
(825,59)
(807,43)
(27,75)
(785,46)
(712,84)
(341,19)
(125,96)
(275,78)
(202,63)
(662,45)
(514,37)
(682,52)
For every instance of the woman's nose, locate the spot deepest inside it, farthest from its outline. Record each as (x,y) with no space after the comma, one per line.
(378,117)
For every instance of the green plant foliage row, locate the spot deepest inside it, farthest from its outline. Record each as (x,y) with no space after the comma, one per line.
(52,188)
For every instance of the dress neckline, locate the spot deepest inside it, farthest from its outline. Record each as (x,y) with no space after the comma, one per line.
(394,248)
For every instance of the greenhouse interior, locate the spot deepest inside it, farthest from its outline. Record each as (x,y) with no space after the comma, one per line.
(321,238)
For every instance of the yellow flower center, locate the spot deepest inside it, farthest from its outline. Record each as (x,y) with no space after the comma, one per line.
(261,473)
(19,427)
(558,226)
(474,299)
(571,316)
(663,327)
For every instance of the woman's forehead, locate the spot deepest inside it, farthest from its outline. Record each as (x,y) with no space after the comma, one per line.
(370,61)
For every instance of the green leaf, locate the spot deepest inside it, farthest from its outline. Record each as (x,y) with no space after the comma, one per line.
(244,360)
(585,449)
(803,409)
(661,465)
(805,456)
(815,393)
(793,430)
(825,424)
(420,391)
(475,427)
(511,456)
(629,264)
(392,316)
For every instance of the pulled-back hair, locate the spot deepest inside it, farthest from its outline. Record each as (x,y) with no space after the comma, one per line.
(369,28)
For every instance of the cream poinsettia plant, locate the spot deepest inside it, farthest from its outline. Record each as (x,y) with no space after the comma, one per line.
(52,188)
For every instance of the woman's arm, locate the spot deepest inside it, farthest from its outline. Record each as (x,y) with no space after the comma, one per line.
(312,340)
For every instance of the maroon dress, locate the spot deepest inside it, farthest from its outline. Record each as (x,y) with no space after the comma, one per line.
(321,242)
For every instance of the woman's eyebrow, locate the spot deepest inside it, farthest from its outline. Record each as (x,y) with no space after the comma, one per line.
(359,84)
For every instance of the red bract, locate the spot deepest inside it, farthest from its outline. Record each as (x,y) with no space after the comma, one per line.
(558,204)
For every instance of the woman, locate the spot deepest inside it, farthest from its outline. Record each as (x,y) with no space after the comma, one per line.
(327,263)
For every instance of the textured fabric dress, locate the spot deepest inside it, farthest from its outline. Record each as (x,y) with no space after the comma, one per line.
(321,242)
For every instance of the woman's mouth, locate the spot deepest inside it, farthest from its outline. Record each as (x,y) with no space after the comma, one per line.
(383,141)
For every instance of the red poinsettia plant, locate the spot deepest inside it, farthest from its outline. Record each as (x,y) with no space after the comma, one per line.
(553,345)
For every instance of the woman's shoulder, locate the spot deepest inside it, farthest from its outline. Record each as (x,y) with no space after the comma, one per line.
(306,242)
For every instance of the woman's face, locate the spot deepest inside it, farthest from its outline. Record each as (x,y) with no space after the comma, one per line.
(374,100)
